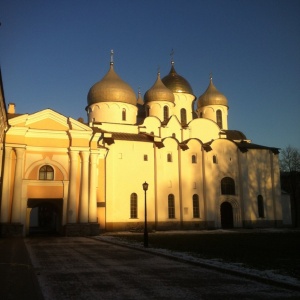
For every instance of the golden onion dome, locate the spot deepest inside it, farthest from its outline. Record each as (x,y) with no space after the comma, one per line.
(111,89)
(212,97)
(176,83)
(159,92)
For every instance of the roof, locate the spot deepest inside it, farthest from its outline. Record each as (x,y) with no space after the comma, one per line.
(245,146)
(235,135)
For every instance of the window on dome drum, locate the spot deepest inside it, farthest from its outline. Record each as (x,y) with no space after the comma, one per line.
(219,118)
(215,159)
(196,207)
(171,206)
(227,186)
(183,116)
(166,113)
(123,114)
(46,173)
(169,157)
(260,206)
(201,115)
(147,111)
(133,206)
(194,159)
(145,157)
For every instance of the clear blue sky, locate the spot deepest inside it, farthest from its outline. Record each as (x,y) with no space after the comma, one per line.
(52,52)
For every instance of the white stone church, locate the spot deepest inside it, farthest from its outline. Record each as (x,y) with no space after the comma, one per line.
(61,175)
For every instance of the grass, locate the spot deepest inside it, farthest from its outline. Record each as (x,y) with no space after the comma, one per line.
(262,250)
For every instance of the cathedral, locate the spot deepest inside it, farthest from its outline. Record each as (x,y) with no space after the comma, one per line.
(169,154)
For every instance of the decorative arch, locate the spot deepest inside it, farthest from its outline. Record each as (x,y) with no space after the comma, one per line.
(46,161)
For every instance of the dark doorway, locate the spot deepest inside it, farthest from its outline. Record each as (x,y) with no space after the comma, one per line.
(226,215)
(45,216)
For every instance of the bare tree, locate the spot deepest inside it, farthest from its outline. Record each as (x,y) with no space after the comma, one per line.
(290,174)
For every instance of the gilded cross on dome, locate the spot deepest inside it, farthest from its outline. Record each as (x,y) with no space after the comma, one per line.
(172,56)
(111,57)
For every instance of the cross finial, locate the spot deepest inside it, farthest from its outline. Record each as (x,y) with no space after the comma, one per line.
(172,56)
(158,70)
(111,57)
(210,76)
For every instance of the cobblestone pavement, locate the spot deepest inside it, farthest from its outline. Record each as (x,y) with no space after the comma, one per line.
(83,268)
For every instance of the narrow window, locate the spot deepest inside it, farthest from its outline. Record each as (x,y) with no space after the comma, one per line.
(260,206)
(123,114)
(227,186)
(214,159)
(145,157)
(169,157)
(201,115)
(183,116)
(46,173)
(196,207)
(147,110)
(166,113)
(219,118)
(133,206)
(171,206)
(194,159)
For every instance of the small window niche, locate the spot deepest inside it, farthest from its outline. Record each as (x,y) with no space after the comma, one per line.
(194,159)
(215,160)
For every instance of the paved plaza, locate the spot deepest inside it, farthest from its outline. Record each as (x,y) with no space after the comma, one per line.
(85,268)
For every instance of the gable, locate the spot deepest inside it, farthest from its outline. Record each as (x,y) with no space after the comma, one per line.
(48,120)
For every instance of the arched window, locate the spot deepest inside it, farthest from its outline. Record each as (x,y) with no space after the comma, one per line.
(227,186)
(219,118)
(171,206)
(194,159)
(260,206)
(196,207)
(133,206)
(46,173)
(201,115)
(183,116)
(166,113)
(169,157)
(123,114)
(147,111)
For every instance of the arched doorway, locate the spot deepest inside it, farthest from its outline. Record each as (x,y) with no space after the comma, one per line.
(226,215)
(45,216)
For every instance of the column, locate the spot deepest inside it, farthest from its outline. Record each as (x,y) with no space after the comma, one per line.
(5,214)
(84,194)
(17,196)
(72,210)
(93,189)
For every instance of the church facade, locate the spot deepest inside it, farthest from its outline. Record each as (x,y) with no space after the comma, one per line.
(73,178)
